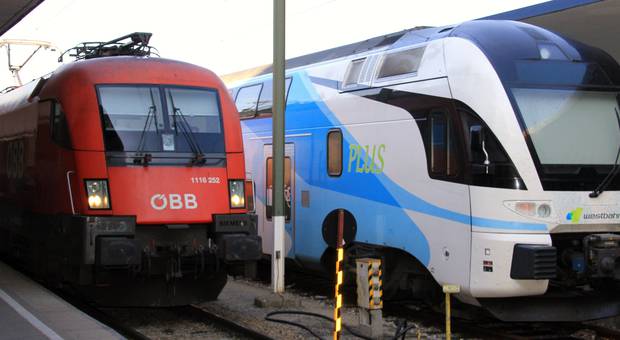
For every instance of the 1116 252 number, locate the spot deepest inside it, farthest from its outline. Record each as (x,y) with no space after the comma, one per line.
(205,180)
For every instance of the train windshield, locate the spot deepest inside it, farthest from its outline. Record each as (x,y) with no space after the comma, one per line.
(571,127)
(160,119)
(574,135)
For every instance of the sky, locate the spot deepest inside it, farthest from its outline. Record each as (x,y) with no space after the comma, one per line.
(227,35)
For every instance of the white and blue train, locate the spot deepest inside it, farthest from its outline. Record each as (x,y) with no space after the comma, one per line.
(480,155)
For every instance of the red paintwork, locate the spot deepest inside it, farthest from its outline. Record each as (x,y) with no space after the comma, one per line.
(134,188)
(44,189)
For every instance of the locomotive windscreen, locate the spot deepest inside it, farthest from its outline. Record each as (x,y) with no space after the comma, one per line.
(570,126)
(152,118)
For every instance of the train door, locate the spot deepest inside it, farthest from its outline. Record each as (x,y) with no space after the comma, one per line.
(289,199)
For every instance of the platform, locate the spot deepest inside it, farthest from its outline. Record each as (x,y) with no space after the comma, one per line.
(29,311)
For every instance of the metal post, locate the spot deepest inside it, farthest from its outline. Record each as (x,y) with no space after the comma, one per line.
(338,293)
(370,297)
(277,258)
(15,69)
(448,325)
(449,289)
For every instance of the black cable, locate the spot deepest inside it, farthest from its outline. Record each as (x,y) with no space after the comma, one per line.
(286,322)
(268,317)
(401,333)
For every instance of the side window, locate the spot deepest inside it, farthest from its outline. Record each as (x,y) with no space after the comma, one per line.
(287,189)
(403,62)
(334,152)
(500,172)
(58,125)
(352,76)
(247,100)
(441,145)
(265,102)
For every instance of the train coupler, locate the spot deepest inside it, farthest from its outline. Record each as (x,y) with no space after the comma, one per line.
(602,255)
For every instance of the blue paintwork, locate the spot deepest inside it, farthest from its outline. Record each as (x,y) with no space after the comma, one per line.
(378,203)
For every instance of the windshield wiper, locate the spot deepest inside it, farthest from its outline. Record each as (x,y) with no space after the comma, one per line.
(186,130)
(145,158)
(614,170)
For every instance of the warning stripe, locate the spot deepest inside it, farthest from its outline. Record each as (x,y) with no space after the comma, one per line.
(375,285)
(338,295)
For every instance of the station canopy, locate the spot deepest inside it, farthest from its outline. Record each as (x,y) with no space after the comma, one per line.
(12,11)
(593,22)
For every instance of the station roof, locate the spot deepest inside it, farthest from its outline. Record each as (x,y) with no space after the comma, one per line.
(12,11)
(594,22)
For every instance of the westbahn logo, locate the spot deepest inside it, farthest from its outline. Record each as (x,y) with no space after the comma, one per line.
(576,215)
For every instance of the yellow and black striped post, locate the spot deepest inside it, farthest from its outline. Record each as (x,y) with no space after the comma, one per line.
(338,293)
(375,285)
(370,296)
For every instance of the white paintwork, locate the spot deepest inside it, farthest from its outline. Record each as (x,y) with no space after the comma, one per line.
(277,255)
(474,82)
(451,68)
(498,282)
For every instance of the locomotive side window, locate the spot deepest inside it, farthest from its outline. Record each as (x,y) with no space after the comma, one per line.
(441,138)
(442,144)
(400,63)
(501,173)
(265,102)
(247,100)
(59,129)
(353,73)
(334,152)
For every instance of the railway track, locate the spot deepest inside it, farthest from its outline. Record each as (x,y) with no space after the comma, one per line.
(252,333)
(187,322)
(428,322)
(432,323)
(488,328)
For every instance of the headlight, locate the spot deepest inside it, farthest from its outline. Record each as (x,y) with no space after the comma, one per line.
(537,209)
(237,194)
(97,192)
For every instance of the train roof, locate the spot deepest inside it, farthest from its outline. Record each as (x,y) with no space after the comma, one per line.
(20,96)
(107,68)
(124,69)
(382,41)
(501,41)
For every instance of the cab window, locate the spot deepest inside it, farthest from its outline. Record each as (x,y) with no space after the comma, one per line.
(247,100)
(58,126)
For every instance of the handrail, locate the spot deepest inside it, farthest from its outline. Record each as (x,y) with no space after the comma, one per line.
(71,191)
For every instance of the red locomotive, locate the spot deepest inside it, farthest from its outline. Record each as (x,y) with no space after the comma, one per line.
(123,175)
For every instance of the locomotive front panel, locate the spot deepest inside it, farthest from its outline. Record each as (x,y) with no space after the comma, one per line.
(149,206)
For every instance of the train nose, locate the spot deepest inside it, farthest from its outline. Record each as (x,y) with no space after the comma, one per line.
(159,195)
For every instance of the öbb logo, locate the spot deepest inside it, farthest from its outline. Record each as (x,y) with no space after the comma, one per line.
(174,201)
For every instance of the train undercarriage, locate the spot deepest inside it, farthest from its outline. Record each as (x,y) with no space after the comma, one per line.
(583,270)
(114,262)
